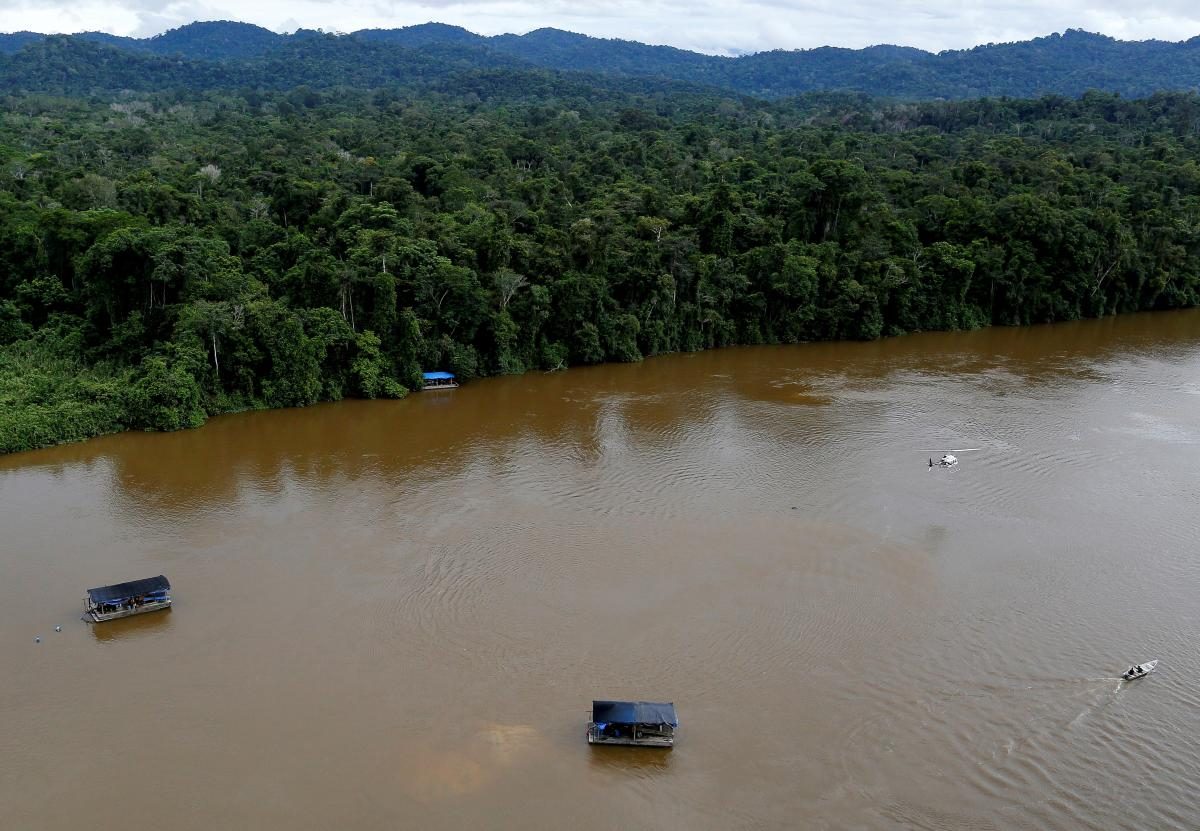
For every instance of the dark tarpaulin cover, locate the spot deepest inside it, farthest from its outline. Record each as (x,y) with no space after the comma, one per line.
(123,591)
(634,712)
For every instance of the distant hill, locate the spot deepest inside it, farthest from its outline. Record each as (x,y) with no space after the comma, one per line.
(16,41)
(423,35)
(220,40)
(237,53)
(64,65)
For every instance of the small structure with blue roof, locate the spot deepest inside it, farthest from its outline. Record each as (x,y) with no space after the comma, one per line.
(438,381)
(643,723)
(124,599)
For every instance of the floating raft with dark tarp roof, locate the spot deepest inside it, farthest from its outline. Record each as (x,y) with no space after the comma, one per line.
(641,723)
(125,599)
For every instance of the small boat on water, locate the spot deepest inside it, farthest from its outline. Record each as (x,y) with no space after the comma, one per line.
(1139,670)
(949,459)
(641,723)
(126,599)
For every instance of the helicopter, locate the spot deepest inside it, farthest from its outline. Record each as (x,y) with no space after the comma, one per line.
(949,459)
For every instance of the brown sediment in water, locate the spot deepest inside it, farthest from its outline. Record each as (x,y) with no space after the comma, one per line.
(397,613)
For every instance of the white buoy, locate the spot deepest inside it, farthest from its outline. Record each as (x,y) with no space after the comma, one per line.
(37,639)
(57,628)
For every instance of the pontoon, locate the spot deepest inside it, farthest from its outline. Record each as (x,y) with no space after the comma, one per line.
(643,723)
(125,599)
(438,381)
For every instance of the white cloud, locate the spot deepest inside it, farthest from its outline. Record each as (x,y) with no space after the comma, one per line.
(714,26)
(93,15)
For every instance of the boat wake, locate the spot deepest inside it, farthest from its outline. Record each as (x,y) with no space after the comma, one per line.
(993,736)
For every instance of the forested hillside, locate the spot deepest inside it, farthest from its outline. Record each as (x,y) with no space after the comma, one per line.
(165,257)
(217,55)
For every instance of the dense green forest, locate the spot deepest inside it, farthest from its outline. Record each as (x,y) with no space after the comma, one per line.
(168,256)
(223,54)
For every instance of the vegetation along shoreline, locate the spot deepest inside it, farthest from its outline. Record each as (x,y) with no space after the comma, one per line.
(171,255)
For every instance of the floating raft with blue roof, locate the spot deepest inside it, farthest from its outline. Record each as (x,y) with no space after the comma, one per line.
(641,723)
(125,599)
(438,381)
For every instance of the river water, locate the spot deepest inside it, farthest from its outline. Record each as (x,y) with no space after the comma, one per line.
(396,614)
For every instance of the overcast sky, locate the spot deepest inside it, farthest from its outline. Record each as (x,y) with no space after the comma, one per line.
(713,26)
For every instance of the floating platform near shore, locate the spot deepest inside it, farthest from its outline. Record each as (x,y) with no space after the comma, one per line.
(438,381)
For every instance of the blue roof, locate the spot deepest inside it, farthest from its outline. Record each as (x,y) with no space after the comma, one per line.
(123,591)
(438,376)
(634,712)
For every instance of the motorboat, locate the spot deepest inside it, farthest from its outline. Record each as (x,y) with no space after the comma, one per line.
(1139,670)
(948,458)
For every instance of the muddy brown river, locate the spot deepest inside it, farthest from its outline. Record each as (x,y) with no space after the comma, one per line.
(396,614)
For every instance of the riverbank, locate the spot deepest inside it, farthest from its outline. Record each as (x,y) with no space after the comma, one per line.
(48,397)
(487,238)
